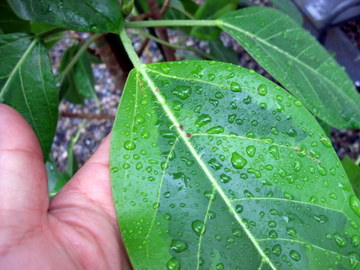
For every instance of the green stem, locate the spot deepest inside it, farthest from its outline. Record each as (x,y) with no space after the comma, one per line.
(77,56)
(51,32)
(176,46)
(357,162)
(160,23)
(129,48)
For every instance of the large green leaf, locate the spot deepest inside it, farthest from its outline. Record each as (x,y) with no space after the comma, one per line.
(216,167)
(80,15)
(9,22)
(294,58)
(27,84)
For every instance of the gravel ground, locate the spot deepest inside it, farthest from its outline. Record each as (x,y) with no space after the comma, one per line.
(346,142)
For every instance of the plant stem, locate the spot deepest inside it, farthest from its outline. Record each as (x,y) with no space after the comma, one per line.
(357,162)
(176,46)
(88,116)
(77,56)
(51,32)
(129,48)
(157,23)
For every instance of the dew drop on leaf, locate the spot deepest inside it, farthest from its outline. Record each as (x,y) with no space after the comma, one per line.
(182,92)
(355,241)
(219,266)
(129,145)
(250,150)
(355,205)
(178,246)
(295,255)
(202,120)
(237,161)
(340,240)
(262,89)
(215,130)
(198,227)
(235,87)
(237,233)
(274,151)
(276,250)
(114,169)
(239,208)
(173,264)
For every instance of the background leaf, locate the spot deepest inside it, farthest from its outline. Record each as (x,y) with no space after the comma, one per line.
(79,15)
(9,22)
(214,166)
(56,178)
(78,84)
(289,8)
(27,84)
(294,58)
(222,53)
(353,172)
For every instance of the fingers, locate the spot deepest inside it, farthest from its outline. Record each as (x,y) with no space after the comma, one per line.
(23,181)
(92,181)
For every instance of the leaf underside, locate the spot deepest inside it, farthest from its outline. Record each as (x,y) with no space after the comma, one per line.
(81,15)
(294,58)
(27,84)
(214,166)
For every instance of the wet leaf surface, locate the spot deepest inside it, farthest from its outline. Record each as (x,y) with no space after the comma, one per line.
(216,167)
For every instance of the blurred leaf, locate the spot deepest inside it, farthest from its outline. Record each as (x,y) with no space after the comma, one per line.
(353,172)
(9,22)
(289,8)
(127,7)
(56,179)
(78,84)
(28,85)
(222,53)
(295,59)
(80,15)
(209,172)
(211,9)
(325,127)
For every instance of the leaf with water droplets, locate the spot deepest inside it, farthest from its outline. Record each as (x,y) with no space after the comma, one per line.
(81,15)
(294,58)
(227,184)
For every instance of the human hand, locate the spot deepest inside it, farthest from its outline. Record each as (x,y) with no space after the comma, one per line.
(77,229)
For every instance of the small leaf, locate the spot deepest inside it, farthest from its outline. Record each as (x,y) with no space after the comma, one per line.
(222,53)
(27,84)
(56,179)
(353,172)
(214,166)
(78,84)
(80,15)
(294,58)
(9,22)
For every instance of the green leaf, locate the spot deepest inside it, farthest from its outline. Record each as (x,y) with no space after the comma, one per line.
(222,53)
(78,84)
(214,166)
(80,15)
(211,9)
(294,58)
(27,84)
(289,8)
(9,22)
(353,172)
(56,178)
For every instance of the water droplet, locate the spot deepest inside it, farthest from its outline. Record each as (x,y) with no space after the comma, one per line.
(167,194)
(182,92)
(295,255)
(250,150)
(262,89)
(326,142)
(273,234)
(291,232)
(291,132)
(225,178)
(239,208)
(274,151)
(129,145)
(145,134)
(355,241)
(219,266)
(231,118)
(276,250)
(202,120)
(320,218)
(215,130)
(156,205)
(173,264)
(235,87)
(272,224)
(114,169)
(198,227)
(215,164)
(340,240)
(355,205)
(178,246)
(139,119)
(237,233)
(238,161)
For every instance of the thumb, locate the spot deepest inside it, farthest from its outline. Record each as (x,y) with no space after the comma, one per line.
(23,180)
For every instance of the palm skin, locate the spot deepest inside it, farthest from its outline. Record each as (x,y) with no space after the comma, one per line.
(77,229)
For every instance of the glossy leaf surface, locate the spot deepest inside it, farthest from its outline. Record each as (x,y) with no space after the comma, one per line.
(80,15)
(353,172)
(27,84)
(216,167)
(294,58)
